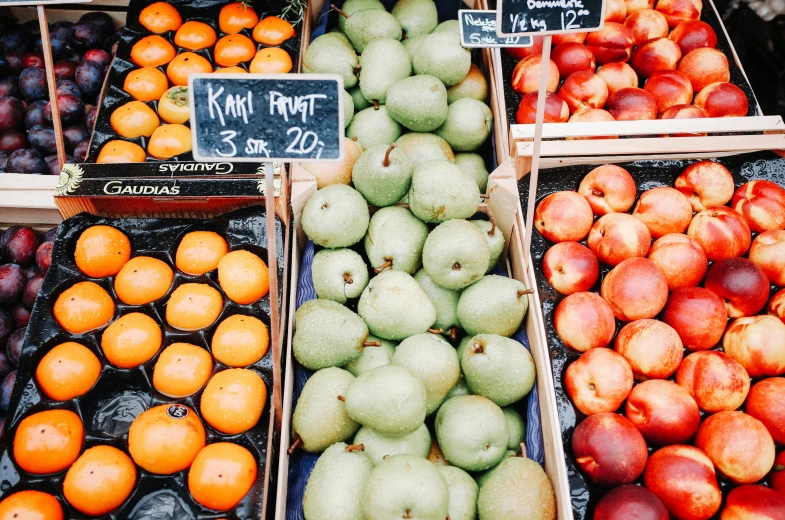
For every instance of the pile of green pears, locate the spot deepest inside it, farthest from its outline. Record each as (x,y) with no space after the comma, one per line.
(413,403)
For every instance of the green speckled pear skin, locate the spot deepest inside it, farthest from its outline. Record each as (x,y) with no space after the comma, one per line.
(456,254)
(352,6)
(383,63)
(449,26)
(495,239)
(373,126)
(434,362)
(330,54)
(416,17)
(327,334)
(440,191)
(378,445)
(368,25)
(336,216)
(360,103)
(348,108)
(517,428)
(473,86)
(468,125)
(441,55)
(422,148)
(335,485)
(498,368)
(472,432)
(482,478)
(473,165)
(493,305)
(320,417)
(419,103)
(445,301)
(388,399)
(460,388)
(518,490)
(395,235)
(339,274)
(372,357)
(394,306)
(463,493)
(382,175)
(413,43)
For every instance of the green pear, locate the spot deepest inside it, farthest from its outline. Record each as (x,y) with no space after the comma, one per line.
(517,428)
(374,126)
(449,26)
(335,172)
(460,388)
(320,417)
(445,301)
(473,165)
(377,352)
(468,125)
(498,368)
(463,493)
(440,191)
(466,341)
(419,103)
(378,445)
(441,55)
(382,175)
(423,148)
(416,16)
(388,399)
(455,254)
(338,274)
(482,477)
(495,239)
(413,43)
(473,86)
(338,33)
(368,25)
(395,307)
(330,54)
(350,7)
(518,490)
(383,63)
(493,305)
(335,484)
(348,108)
(335,216)
(472,432)
(395,239)
(434,362)
(318,343)
(405,486)
(360,103)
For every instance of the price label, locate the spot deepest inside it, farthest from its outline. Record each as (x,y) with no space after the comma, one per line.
(265,118)
(478,29)
(515,17)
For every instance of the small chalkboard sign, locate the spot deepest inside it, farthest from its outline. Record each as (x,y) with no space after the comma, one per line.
(478,29)
(517,17)
(265,118)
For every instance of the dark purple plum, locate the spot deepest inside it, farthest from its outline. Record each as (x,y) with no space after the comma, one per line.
(12,113)
(65,70)
(13,347)
(99,56)
(61,29)
(73,135)
(90,119)
(13,62)
(35,114)
(42,138)
(32,27)
(71,109)
(5,364)
(17,41)
(3,66)
(32,83)
(12,284)
(26,161)
(67,86)
(6,389)
(7,326)
(33,59)
(90,78)
(59,47)
(31,290)
(102,20)
(87,36)
(49,236)
(21,244)
(43,255)
(80,152)
(31,271)
(4,238)
(52,162)
(3,164)
(12,140)
(10,87)
(21,315)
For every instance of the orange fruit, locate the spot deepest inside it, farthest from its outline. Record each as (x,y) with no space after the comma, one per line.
(233,400)
(231,70)
(134,119)
(200,251)
(165,439)
(146,84)
(193,306)
(143,279)
(221,475)
(160,17)
(102,251)
(235,17)
(243,276)
(271,61)
(240,341)
(131,340)
(195,36)
(173,106)
(30,505)
(185,64)
(182,369)
(48,442)
(100,480)
(233,49)
(119,152)
(152,51)
(169,140)
(273,31)
(83,307)
(67,371)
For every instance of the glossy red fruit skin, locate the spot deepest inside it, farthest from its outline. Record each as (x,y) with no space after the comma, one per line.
(752,501)
(777,475)
(740,283)
(689,305)
(628,502)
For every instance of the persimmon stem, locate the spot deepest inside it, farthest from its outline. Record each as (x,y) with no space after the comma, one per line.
(386,161)
(385,265)
(296,444)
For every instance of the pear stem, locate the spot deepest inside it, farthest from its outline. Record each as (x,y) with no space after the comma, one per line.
(492,232)
(342,398)
(296,444)
(355,447)
(453,333)
(354,138)
(436,331)
(335,8)
(376,104)
(523,450)
(525,292)
(372,344)
(385,265)
(347,278)
(484,196)
(386,161)
(477,348)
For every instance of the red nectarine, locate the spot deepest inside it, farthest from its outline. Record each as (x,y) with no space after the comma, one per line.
(707,184)
(556,110)
(692,35)
(664,412)
(598,381)
(652,348)
(721,232)
(582,90)
(669,88)
(570,267)
(526,75)
(704,66)
(766,402)
(646,25)
(716,381)
(722,100)
(635,289)
(681,259)
(741,284)
(768,253)
(677,11)
(630,501)
(751,502)
(611,43)
(564,216)
(573,57)
(632,104)
(698,316)
(762,204)
(758,344)
(615,237)
(608,188)
(663,210)
(655,56)
(618,76)
(609,449)
(584,321)
(776,305)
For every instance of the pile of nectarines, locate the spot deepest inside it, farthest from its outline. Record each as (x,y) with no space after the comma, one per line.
(647,62)
(700,339)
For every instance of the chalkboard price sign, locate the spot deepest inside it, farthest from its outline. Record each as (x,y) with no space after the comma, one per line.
(265,118)
(549,16)
(478,29)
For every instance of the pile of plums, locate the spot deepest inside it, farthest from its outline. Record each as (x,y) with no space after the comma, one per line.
(647,62)
(82,56)
(25,256)
(681,345)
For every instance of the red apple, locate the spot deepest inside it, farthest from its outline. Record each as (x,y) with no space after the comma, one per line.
(631,104)
(618,76)
(563,216)
(766,402)
(598,381)
(583,90)
(751,502)
(681,259)
(635,289)
(573,57)
(707,184)
(526,75)
(704,66)
(716,381)
(683,478)
(721,232)
(663,210)
(608,189)
(612,43)
(777,475)
(630,501)
(678,11)
(722,100)
(609,449)
(698,315)
(615,237)
(577,37)
(638,5)
(684,112)
(570,267)
(758,344)
(663,412)
(556,110)
(768,253)
(592,115)
(739,445)
(762,204)
(584,321)
(777,305)
(669,88)
(615,11)
(655,56)
(652,348)
(741,284)
(646,25)
(692,35)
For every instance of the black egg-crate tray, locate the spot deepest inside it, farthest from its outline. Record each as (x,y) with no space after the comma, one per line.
(120,395)
(708,15)
(197,10)
(648,174)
